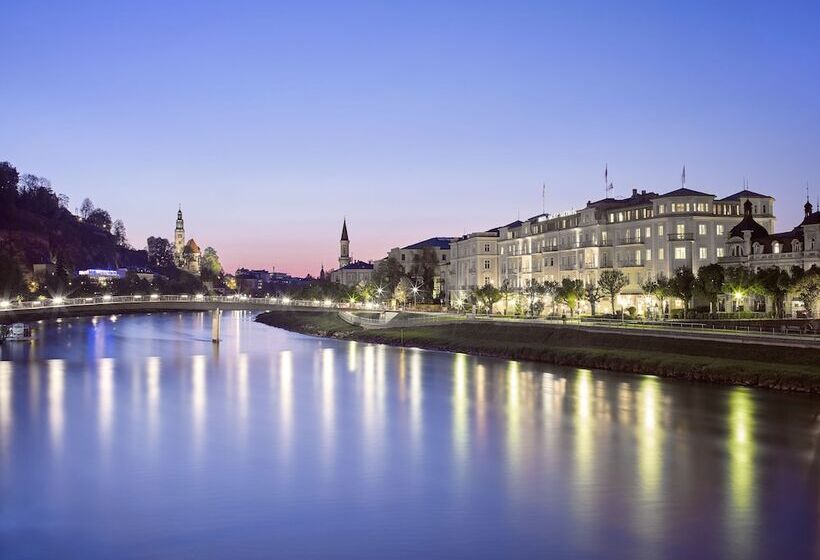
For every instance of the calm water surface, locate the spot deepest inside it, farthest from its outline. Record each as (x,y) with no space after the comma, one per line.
(134,437)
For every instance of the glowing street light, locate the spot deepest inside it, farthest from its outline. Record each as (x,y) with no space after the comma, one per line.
(57,301)
(107,297)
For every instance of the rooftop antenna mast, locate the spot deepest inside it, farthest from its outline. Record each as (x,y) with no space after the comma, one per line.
(608,186)
(544,198)
(683,177)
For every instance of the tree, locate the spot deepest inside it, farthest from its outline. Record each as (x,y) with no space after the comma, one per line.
(775,283)
(506,291)
(86,208)
(12,283)
(365,291)
(488,295)
(593,295)
(388,274)
(100,218)
(739,282)
(210,267)
(569,293)
(659,288)
(612,282)
(402,291)
(119,233)
(709,283)
(551,289)
(423,269)
(37,196)
(683,287)
(534,292)
(808,289)
(160,253)
(8,186)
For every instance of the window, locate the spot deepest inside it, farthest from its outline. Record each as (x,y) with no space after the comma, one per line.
(402,256)
(486,280)
(703,253)
(775,248)
(660,230)
(486,265)
(661,209)
(660,254)
(680,253)
(701,229)
(719,229)
(443,257)
(680,229)
(648,232)
(719,252)
(649,255)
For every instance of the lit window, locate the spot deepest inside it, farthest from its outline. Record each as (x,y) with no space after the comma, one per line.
(649,254)
(680,253)
(703,254)
(661,208)
(680,229)
(775,247)
(719,252)
(660,230)
(719,229)
(701,229)
(660,254)
(648,232)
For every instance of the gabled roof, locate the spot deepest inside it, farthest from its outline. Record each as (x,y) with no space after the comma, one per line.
(743,195)
(683,191)
(435,242)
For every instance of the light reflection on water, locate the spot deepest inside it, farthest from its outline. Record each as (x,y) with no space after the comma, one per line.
(147,439)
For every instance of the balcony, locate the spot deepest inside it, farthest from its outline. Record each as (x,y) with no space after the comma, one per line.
(631,263)
(568,266)
(630,241)
(681,237)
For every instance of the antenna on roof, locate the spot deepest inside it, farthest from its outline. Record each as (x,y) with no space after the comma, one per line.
(544,198)
(683,177)
(610,190)
(606,181)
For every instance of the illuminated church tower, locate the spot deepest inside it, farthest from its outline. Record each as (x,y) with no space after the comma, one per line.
(179,239)
(344,246)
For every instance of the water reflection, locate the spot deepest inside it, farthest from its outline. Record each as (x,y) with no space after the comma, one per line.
(56,402)
(105,399)
(6,403)
(466,456)
(199,401)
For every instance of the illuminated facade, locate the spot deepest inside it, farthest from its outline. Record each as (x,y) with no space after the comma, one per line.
(350,272)
(187,256)
(644,235)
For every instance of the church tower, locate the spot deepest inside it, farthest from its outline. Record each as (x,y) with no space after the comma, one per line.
(179,238)
(344,246)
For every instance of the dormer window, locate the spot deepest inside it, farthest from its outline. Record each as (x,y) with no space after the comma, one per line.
(775,247)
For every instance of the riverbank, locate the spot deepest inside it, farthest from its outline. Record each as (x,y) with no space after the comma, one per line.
(765,366)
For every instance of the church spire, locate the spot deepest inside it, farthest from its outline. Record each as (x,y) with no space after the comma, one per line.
(344,230)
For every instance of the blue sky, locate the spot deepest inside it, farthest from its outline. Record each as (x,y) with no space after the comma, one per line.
(270,122)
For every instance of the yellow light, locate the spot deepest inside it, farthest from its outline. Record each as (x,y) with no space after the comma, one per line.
(106,297)
(286,300)
(154,296)
(4,303)
(328,303)
(57,301)
(200,296)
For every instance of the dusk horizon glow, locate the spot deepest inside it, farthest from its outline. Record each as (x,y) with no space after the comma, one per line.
(270,124)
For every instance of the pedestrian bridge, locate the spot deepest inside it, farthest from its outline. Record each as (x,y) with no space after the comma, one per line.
(56,307)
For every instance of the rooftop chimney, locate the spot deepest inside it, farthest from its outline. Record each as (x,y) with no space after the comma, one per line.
(634,192)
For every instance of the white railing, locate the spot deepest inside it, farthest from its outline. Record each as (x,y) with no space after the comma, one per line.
(106,300)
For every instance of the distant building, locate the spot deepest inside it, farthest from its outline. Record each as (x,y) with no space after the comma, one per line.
(350,272)
(187,256)
(412,255)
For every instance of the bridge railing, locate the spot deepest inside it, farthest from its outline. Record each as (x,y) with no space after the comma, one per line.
(104,300)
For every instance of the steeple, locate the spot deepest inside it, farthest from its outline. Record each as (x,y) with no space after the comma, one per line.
(344,247)
(179,237)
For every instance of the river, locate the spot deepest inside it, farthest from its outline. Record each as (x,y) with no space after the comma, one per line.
(136,437)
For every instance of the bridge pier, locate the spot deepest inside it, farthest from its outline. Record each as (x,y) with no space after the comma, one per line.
(216,323)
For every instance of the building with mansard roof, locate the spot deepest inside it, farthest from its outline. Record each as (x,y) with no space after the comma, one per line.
(644,235)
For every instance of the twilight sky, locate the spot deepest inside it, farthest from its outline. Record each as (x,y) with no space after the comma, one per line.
(270,122)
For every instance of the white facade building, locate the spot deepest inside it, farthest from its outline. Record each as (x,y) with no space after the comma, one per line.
(644,235)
